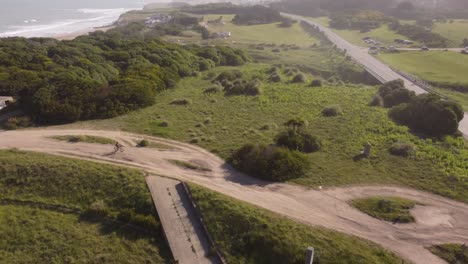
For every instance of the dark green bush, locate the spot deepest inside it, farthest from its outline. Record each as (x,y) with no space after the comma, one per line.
(403,149)
(316,83)
(377,100)
(333,110)
(394,93)
(270,162)
(298,140)
(275,78)
(143,143)
(181,102)
(299,78)
(429,114)
(213,89)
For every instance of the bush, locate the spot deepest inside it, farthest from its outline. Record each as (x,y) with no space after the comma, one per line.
(299,78)
(143,143)
(270,162)
(181,102)
(298,140)
(275,78)
(316,83)
(213,89)
(402,149)
(98,208)
(377,101)
(333,110)
(394,93)
(429,114)
(164,124)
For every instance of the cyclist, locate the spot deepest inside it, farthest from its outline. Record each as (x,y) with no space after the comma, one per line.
(118,147)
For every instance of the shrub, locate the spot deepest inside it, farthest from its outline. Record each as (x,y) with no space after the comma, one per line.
(429,114)
(394,93)
(213,89)
(299,78)
(402,149)
(275,78)
(298,140)
(333,110)
(316,83)
(377,101)
(143,143)
(98,208)
(270,162)
(181,102)
(164,124)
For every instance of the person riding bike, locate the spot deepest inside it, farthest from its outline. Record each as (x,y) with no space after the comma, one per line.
(118,147)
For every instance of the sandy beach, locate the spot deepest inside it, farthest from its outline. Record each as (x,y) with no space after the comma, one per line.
(76,34)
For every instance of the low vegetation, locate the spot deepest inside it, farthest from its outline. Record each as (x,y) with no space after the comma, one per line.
(392,209)
(270,163)
(452,253)
(107,209)
(85,139)
(248,234)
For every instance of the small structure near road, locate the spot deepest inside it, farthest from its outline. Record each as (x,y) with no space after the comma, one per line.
(223,35)
(367,149)
(157,19)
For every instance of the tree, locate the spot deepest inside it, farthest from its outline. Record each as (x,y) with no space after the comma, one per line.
(465,42)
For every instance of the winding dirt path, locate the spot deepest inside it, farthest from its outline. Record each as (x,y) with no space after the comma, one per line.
(441,220)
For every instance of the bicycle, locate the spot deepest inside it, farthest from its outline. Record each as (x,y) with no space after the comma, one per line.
(118,148)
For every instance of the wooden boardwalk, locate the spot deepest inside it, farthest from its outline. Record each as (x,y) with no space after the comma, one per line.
(183,230)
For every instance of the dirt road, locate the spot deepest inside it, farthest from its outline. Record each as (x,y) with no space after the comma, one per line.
(440,221)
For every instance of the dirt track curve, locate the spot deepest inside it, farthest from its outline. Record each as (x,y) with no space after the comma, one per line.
(441,220)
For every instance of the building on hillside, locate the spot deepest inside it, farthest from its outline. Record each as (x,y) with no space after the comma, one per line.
(157,19)
(221,35)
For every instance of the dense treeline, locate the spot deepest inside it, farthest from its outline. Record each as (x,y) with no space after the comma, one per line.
(245,15)
(98,76)
(408,9)
(364,20)
(257,15)
(420,34)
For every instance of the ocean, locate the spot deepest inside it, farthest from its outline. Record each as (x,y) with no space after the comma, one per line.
(49,18)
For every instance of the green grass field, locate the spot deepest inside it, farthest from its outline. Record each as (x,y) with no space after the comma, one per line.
(455,32)
(34,187)
(257,34)
(248,234)
(236,120)
(441,68)
(452,253)
(31,235)
(392,209)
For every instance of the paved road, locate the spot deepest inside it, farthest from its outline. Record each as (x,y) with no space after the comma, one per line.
(375,67)
(183,230)
(441,221)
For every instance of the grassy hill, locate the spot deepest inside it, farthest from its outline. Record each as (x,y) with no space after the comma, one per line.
(57,210)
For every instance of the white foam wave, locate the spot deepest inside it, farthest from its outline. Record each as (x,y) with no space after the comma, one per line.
(32,29)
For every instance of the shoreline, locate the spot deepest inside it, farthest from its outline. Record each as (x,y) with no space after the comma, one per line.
(73,35)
